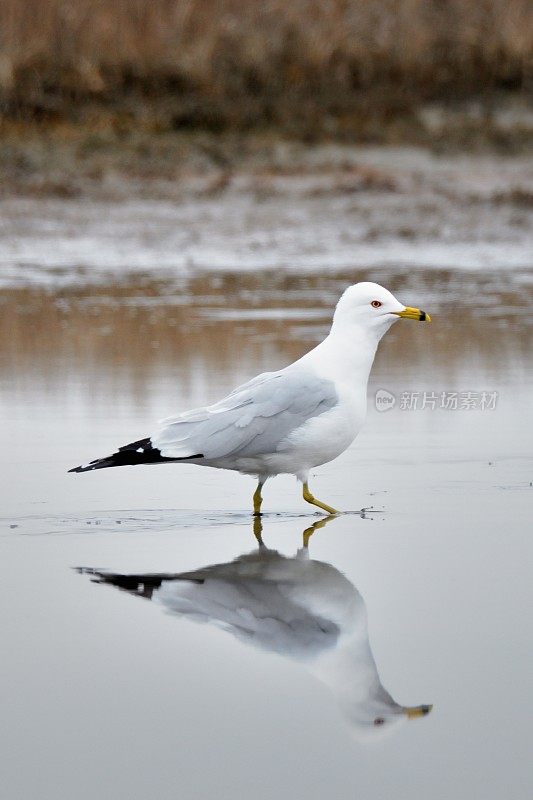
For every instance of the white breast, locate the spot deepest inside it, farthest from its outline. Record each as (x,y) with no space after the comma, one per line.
(323,438)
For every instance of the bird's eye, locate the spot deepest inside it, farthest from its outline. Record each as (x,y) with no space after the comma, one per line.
(376,303)
(379,720)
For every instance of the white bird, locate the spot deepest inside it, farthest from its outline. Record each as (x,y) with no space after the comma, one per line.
(288,421)
(302,609)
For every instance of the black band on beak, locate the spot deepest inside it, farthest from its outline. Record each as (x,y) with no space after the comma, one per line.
(422,317)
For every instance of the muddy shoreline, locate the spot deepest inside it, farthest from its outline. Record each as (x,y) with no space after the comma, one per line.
(100,158)
(381,211)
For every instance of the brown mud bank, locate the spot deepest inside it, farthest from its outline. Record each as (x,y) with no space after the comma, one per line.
(103,153)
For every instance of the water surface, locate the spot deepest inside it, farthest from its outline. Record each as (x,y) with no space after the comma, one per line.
(109,694)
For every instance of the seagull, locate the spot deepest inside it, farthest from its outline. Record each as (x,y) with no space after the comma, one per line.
(288,421)
(299,608)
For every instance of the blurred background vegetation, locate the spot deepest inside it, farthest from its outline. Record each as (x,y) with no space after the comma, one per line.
(307,67)
(91,86)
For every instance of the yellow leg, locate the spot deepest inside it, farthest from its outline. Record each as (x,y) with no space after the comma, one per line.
(258,530)
(315,527)
(258,499)
(310,499)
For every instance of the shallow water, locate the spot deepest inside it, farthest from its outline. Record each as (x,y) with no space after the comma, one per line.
(112,695)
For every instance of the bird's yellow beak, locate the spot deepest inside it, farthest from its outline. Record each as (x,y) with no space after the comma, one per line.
(417,711)
(413,313)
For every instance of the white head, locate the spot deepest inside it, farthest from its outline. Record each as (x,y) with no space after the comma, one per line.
(373,308)
(350,671)
(377,716)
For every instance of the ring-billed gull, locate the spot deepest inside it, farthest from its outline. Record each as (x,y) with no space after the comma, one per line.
(299,608)
(288,421)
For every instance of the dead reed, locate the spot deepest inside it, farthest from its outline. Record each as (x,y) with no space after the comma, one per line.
(220,64)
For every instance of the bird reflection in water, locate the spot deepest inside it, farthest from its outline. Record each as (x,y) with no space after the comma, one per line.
(297,607)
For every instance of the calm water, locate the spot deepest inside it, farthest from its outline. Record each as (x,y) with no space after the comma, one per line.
(120,691)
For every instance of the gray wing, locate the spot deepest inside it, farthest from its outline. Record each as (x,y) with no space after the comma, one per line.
(259,612)
(250,421)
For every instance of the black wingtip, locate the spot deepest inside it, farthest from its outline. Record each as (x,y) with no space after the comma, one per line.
(99,463)
(139,452)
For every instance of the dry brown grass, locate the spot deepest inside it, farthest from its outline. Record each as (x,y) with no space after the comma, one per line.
(239,63)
